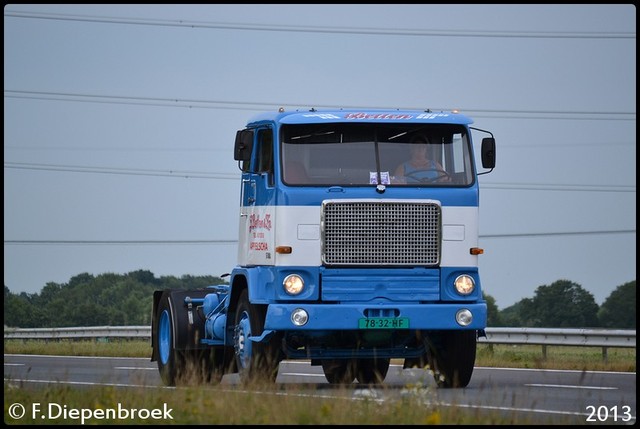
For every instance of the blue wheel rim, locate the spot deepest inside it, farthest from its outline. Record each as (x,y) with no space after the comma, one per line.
(164,337)
(243,345)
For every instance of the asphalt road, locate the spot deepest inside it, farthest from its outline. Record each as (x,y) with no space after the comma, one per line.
(580,397)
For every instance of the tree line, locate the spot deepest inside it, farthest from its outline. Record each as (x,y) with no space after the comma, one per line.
(126,299)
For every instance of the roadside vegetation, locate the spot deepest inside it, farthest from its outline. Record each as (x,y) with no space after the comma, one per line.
(255,405)
(287,404)
(494,355)
(125,300)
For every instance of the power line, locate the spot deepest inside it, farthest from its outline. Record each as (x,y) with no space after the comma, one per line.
(260,106)
(121,171)
(553,144)
(559,187)
(228,176)
(122,148)
(323,29)
(116,242)
(210,242)
(555,234)
(229,149)
(148,101)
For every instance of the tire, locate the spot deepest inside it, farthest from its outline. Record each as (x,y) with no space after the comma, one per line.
(339,371)
(372,371)
(452,356)
(170,361)
(254,361)
(176,366)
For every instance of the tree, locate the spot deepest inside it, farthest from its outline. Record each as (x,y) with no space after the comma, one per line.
(563,304)
(88,300)
(519,314)
(80,280)
(144,276)
(619,309)
(16,309)
(493,314)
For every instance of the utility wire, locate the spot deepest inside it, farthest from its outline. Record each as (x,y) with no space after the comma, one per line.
(557,234)
(261,106)
(121,171)
(228,176)
(559,187)
(323,29)
(209,242)
(117,242)
(229,149)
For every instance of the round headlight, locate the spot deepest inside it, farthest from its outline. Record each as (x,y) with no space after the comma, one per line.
(293,284)
(464,317)
(464,284)
(299,317)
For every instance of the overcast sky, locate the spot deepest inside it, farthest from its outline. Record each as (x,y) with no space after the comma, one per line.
(119,122)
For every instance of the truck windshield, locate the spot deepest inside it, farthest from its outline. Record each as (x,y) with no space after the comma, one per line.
(367,154)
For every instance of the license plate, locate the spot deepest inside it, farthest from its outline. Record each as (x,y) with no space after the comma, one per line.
(384,323)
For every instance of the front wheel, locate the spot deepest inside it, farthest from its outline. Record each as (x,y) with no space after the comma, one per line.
(372,371)
(452,356)
(255,361)
(339,371)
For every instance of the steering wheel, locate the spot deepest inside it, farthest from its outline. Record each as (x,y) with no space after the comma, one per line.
(440,174)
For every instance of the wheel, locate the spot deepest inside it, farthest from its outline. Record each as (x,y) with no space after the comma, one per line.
(416,176)
(372,371)
(452,356)
(177,366)
(339,371)
(170,361)
(255,361)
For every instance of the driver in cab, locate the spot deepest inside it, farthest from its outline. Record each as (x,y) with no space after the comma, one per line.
(420,168)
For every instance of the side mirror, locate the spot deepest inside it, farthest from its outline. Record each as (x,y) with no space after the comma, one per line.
(488,152)
(243,146)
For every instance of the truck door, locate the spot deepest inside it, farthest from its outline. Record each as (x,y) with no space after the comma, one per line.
(257,208)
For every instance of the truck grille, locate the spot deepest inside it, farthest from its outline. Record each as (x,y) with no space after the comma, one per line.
(381,232)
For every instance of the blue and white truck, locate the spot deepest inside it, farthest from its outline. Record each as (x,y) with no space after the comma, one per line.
(344,259)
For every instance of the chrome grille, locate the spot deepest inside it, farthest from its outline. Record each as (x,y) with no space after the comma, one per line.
(381,233)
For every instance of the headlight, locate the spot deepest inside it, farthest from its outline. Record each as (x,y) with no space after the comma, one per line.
(464,317)
(293,284)
(464,284)
(299,317)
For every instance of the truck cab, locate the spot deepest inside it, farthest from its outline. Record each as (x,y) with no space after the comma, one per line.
(358,244)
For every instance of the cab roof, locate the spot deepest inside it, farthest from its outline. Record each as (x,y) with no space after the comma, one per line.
(314,116)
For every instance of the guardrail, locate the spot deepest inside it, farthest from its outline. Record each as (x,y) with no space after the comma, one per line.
(86,332)
(605,338)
